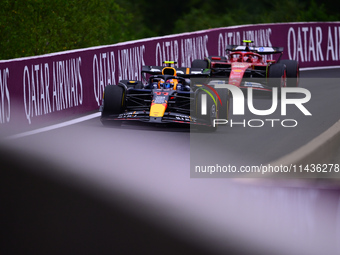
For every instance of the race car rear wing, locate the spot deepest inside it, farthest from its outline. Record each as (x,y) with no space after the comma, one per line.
(185,72)
(263,50)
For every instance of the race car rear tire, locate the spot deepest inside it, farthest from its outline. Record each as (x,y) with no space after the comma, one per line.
(114,103)
(277,75)
(211,112)
(293,72)
(199,63)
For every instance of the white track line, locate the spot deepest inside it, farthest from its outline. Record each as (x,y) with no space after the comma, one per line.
(295,157)
(318,68)
(49,128)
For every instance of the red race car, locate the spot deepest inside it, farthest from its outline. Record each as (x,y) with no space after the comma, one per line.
(247,67)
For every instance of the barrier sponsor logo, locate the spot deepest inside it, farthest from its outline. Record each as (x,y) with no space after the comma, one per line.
(5,99)
(307,43)
(43,94)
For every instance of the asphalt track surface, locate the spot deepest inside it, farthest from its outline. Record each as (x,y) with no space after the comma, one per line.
(87,189)
(237,145)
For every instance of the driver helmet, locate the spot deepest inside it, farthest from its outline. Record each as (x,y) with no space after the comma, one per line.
(168,84)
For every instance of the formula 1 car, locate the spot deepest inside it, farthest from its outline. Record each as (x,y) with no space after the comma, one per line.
(166,96)
(245,66)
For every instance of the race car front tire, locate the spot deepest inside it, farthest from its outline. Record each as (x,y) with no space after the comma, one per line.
(211,114)
(293,72)
(223,110)
(277,75)
(113,102)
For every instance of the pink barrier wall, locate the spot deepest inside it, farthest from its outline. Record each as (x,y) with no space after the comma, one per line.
(61,84)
